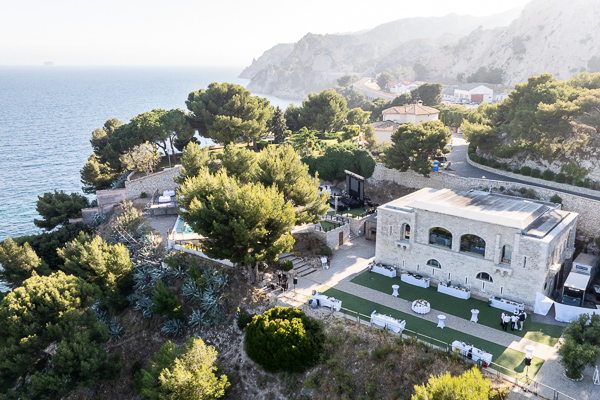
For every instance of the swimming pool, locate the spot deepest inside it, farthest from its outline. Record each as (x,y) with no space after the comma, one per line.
(182,227)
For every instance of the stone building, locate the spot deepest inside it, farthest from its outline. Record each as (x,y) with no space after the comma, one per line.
(494,244)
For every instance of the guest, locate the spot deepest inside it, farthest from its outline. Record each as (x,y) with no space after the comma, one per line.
(502,320)
(522,317)
(513,322)
(506,320)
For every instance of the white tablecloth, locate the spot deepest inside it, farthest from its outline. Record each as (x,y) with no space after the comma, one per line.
(476,354)
(506,305)
(422,308)
(454,292)
(424,283)
(164,199)
(169,193)
(565,313)
(330,302)
(384,271)
(394,325)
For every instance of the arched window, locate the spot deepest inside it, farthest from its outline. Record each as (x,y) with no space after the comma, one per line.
(440,237)
(484,276)
(406,231)
(472,244)
(506,254)
(434,263)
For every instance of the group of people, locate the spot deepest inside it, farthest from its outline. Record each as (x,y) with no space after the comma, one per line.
(518,318)
(283,280)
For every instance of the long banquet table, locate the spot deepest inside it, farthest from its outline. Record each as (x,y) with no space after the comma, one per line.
(454,291)
(325,301)
(506,305)
(394,325)
(410,279)
(383,271)
(471,352)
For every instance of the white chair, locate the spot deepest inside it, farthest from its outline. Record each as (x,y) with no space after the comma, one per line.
(441,321)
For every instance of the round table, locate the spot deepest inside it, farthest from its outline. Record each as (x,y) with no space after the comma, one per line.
(474,315)
(421,306)
(395,287)
(441,321)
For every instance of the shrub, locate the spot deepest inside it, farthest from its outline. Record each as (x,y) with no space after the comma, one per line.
(556,199)
(468,386)
(496,164)
(502,188)
(143,195)
(286,265)
(508,169)
(579,183)
(473,157)
(580,348)
(569,179)
(525,170)
(536,173)
(560,178)
(326,251)
(165,302)
(285,339)
(516,171)
(243,318)
(548,175)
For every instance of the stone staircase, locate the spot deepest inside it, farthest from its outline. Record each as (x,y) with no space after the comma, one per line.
(301,267)
(352,236)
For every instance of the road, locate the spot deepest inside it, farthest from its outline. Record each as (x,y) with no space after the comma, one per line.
(459,166)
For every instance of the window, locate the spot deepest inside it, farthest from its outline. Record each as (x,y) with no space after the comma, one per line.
(506,254)
(406,231)
(472,244)
(440,237)
(448,275)
(484,276)
(466,281)
(390,230)
(434,263)
(501,289)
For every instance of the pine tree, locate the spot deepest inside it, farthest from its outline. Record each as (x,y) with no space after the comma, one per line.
(278,125)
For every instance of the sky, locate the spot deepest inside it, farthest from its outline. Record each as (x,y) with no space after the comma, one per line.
(193,33)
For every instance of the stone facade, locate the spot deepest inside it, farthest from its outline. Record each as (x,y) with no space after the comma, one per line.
(150,184)
(534,264)
(332,237)
(589,219)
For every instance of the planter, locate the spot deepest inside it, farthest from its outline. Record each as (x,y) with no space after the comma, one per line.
(571,379)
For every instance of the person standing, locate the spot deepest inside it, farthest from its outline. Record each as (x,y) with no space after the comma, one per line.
(522,317)
(513,322)
(506,321)
(502,320)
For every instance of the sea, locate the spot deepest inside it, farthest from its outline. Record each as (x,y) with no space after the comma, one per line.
(48,114)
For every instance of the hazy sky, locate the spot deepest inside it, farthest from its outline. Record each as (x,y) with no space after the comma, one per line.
(184,32)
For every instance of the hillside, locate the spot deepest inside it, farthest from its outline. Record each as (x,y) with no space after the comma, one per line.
(315,61)
(547,36)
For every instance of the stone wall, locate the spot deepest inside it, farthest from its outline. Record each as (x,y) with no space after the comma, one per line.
(539,181)
(589,216)
(108,198)
(151,183)
(332,238)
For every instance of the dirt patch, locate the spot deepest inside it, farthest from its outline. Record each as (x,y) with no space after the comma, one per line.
(382,192)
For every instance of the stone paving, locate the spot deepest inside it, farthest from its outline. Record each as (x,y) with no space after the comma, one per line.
(353,257)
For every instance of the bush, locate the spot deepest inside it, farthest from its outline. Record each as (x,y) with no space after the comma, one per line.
(502,188)
(525,170)
(473,157)
(580,348)
(469,386)
(165,302)
(579,183)
(536,173)
(548,175)
(143,195)
(243,318)
(508,169)
(496,164)
(338,158)
(516,171)
(560,178)
(556,199)
(326,251)
(285,339)
(286,265)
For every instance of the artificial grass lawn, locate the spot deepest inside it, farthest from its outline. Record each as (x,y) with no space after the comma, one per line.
(511,359)
(328,225)
(488,316)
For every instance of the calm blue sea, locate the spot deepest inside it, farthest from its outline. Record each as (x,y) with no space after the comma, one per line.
(47,115)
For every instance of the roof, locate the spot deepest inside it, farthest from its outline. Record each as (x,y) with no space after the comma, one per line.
(470,86)
(589,260)
(411,109)
(577,281)
(532,217)
(385,125)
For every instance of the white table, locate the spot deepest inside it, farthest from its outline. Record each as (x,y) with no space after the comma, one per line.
(411,280)
(441,321)
(462,293)
(395,287)
(169,193)
(471,352)
(506,305)
(383,270)
(384,321)
(164,199)
(325,301)
(474,315)
(421,306)
(324,264)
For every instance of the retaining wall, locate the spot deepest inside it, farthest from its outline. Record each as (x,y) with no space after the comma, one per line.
(332,238)
(151,183)
(588,209)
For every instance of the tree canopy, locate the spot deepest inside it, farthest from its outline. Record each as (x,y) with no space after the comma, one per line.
(580,347)
(468,386)
(339,157)
(193,159)
(277,125)
(225,112)
(189,373)
(19,263)
(324,111)
(413,145)
(58,207)
(383,79)
(357,116)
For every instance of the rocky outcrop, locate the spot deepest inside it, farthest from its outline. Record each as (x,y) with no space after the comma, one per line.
(273,56)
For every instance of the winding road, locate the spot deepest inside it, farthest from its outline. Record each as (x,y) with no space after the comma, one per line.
(460,167)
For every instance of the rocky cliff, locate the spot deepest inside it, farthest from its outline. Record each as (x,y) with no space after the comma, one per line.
(554,36)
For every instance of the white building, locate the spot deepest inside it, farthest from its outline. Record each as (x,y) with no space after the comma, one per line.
(414,113)
(404,87)
(474,93)
(384,130)
(496,245)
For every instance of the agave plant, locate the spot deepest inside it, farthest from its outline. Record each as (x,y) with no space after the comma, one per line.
(191,291)
(144,304)
(177,272)
(114,328)
(174,327)
(197,319)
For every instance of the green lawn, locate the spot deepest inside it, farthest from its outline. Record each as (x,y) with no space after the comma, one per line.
(326,225)
(488,316)
(511,359)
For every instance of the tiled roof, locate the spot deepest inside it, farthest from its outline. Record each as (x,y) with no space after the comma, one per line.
(411,109)
(385,125)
